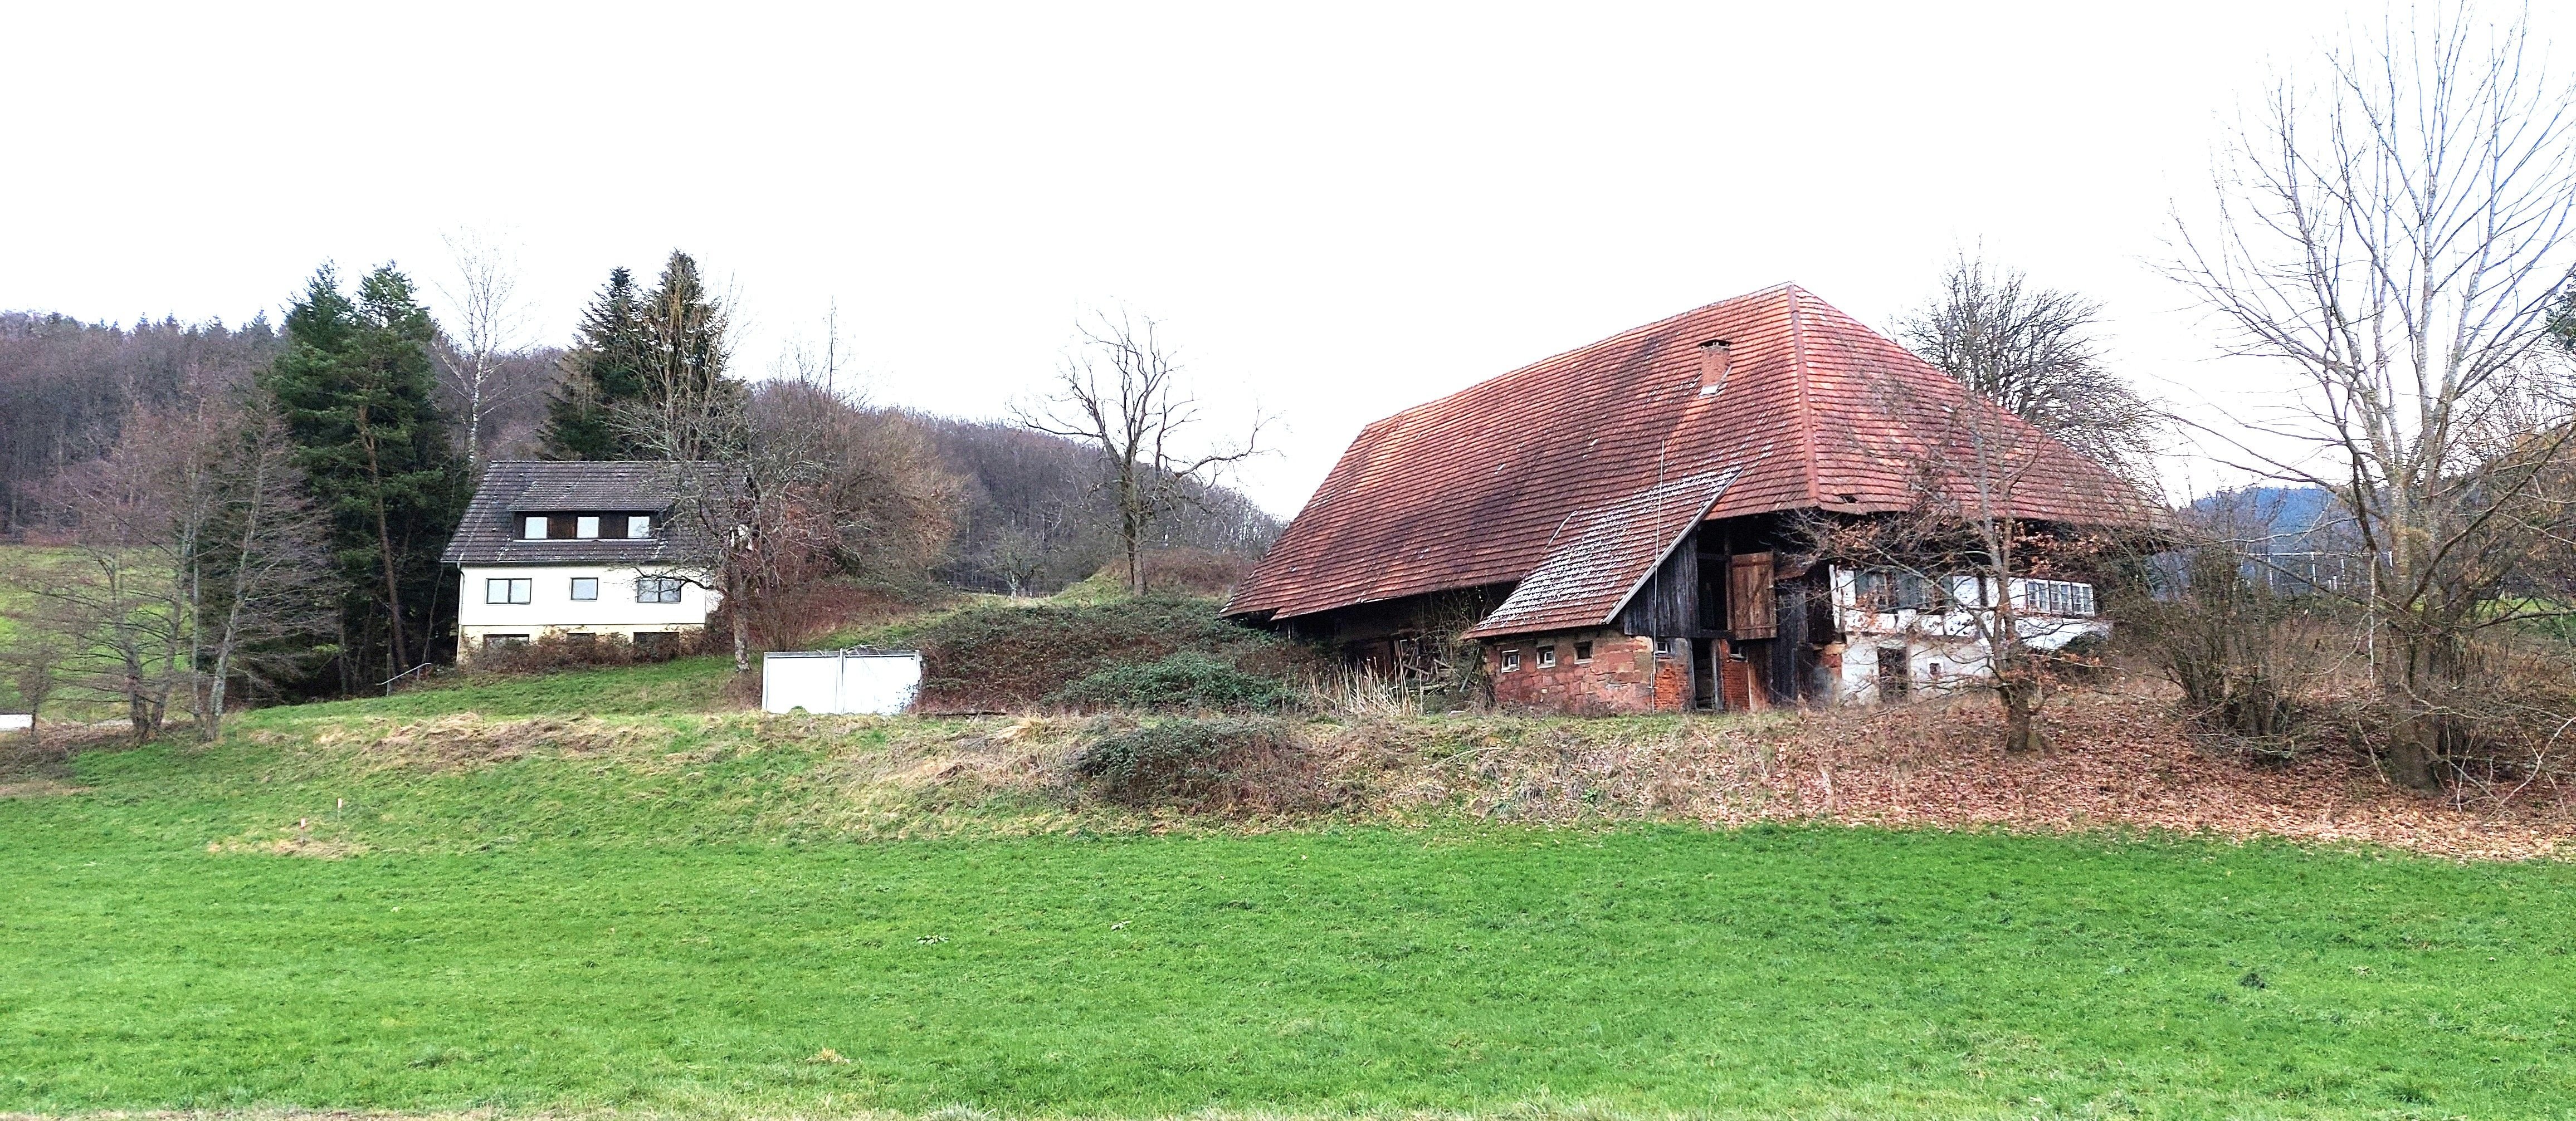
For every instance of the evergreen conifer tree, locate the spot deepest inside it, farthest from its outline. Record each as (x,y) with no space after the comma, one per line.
(357,392)
(685,352)
(604,370)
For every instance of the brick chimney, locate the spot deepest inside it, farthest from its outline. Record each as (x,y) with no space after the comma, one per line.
(1716,357)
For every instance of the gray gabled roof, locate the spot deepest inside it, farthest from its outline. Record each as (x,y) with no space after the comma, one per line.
(512,488)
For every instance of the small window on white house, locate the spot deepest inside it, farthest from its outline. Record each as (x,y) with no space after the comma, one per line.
(536,527)
(585,588)
(1582,652)
(586,527)
(1511,660)
(639,526)
(503,641)
(657,589)
(1547,656)
(506,590)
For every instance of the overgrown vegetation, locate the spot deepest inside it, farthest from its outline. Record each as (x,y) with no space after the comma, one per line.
(1183,681)
(1004,656)
(1218,765)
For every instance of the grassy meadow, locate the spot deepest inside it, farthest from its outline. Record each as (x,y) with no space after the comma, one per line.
(300,917)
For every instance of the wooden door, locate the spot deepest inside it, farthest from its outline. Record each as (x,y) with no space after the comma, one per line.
(1752,608)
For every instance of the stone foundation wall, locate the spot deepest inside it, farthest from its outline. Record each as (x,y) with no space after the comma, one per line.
(1619,678)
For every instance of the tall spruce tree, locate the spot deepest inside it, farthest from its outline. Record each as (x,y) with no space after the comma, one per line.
(685,352)
(357,391)
(603,372)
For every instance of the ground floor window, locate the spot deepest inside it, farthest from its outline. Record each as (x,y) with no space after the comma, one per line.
(1511,660)
(585,588)
(657,589)
(1547,656)
(503,590)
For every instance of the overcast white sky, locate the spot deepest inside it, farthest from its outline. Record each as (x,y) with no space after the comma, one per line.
(1339,211)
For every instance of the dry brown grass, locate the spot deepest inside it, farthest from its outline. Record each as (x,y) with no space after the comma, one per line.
(2118,760)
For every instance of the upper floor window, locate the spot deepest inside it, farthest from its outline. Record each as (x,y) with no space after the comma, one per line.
(639,525)
(507,589)
(535,527)
(586,527)
(2056,597)
(657,589)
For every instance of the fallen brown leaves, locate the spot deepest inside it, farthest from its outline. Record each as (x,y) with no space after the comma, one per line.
(2116,761)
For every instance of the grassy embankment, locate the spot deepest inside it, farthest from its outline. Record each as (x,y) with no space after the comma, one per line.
(661,909)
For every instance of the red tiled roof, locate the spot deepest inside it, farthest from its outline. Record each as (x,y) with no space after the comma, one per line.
(1476,488)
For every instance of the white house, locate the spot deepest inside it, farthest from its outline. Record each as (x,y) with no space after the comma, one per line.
(1906,634)
(580,549)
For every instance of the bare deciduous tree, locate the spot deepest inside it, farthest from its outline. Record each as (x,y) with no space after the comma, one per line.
(197,563)
(487,321)
(1119,391)
(1968,547)
(2038,353)
(2397,233)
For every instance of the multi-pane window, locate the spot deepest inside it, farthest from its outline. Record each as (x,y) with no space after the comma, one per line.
(535,527)
(1511,660)
(585,588)
(657,589)
(1883,589)
(586,527)
(1547,657)
(1582,652)
(639,526)
(2056,597)
(507,589)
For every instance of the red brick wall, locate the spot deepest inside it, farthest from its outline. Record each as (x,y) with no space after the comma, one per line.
(1619,678)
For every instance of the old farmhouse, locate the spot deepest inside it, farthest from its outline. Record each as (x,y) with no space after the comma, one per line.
(1617,524)
(585,550)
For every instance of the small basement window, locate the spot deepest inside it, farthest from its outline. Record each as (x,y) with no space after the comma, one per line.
(535,527)
(508,590)
(585,588)
(503,641)
(586,527)
(1511,660)
(1582,652)
(1547,657)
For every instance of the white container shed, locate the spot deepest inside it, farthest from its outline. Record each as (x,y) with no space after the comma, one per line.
(873,682)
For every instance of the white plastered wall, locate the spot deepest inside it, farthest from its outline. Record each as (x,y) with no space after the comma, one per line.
(1942,650)
(551,609)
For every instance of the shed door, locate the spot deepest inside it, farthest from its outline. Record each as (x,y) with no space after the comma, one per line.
(1752,611)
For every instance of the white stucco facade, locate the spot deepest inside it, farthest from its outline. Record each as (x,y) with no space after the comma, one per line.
(1941,648)
(550,606)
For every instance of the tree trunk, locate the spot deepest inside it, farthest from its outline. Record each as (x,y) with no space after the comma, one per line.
(2021,720)
(385,546)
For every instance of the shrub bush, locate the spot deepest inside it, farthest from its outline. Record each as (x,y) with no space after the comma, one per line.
(997,657)
(565,651)
(1214,764)
(1183,681)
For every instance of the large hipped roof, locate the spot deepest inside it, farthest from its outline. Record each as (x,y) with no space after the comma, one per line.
(1479,488)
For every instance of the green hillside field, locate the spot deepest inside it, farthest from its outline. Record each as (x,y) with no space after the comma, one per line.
(662,910)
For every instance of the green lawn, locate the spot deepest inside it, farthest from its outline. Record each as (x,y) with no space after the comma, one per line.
(665,935)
